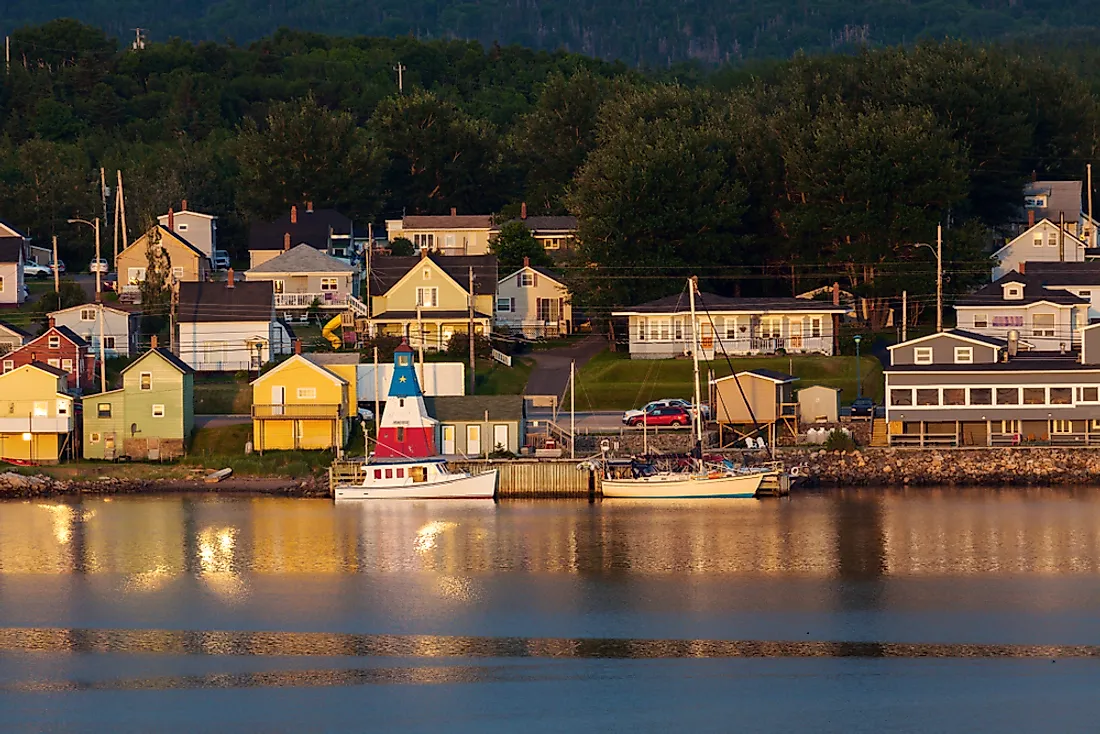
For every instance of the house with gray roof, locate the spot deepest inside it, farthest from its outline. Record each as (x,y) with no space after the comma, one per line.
(326,230)
(303,277)
(11,269)
(476,425)
(534,301)
(554,233)
(1022,305)
(661,329)
(1080,278)
(230,326)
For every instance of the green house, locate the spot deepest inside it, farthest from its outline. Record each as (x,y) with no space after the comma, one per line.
(149,417)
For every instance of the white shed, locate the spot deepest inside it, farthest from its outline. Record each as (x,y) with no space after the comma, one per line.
(819,404)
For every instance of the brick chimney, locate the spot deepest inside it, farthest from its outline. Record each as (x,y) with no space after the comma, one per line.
(423,252)
(1030,218)
(229,282)
(183,205)
(523,210)
(297,346)
(286,241)
(309,207)
(52,322)
(171,219)
(526,262)
(294,215)
(836,293)
(454,211)
(153,341)
(1023,268)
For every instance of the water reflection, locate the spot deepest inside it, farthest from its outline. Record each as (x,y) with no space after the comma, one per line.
(855,535)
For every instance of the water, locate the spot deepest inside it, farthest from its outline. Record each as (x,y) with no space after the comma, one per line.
(968,610)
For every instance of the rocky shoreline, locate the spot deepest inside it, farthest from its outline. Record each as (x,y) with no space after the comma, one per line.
(20,486)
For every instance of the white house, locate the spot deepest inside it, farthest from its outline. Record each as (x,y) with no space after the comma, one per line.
(201,230)
(229,326)
(119,328)
(534,302)
(662,328)
(1080,279)
(1042,242)
(1048,319)
(303,275)
(11,265)
(11,338)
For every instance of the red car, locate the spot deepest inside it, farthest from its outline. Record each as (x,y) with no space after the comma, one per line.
(670,415)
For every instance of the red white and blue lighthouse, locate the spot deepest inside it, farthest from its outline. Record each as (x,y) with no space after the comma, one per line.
(406,430)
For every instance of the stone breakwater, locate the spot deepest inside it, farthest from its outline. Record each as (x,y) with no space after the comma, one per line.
(882,467)
(20,486)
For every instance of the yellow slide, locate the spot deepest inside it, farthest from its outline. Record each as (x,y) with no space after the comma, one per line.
(326,332)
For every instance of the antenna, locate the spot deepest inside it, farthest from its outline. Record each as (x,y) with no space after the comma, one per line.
(139,38)
(400,69)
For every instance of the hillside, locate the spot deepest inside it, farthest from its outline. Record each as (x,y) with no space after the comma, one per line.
(650,32)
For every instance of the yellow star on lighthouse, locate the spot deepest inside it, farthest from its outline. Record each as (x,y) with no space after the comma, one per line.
(402,378)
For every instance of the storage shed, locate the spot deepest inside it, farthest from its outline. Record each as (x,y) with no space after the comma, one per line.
(819,404)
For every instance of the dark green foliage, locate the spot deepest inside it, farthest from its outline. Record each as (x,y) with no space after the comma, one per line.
(402,246)
(69,294)
(838,440)
(458,347)
(512,244)
(386,346)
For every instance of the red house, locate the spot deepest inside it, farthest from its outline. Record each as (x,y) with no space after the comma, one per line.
(60,347)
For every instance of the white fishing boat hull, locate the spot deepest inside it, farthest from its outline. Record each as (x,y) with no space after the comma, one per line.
(683,486)
(454,486)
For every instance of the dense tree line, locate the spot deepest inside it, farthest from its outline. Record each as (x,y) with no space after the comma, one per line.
(765,179)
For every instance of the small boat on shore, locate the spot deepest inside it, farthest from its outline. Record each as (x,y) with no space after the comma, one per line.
(418,479)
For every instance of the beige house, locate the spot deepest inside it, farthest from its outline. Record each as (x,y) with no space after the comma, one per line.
(533,301)
(467,234)
(1041,242)
(189,264)
(427,299)
(201,230)
(303,276)
(554,233)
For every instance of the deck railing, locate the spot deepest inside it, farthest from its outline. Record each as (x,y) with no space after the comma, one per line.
(926,439)
(292,411)
(327,299)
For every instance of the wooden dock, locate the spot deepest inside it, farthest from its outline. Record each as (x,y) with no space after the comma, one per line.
(527,478)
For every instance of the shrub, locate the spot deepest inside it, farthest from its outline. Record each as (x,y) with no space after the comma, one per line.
(838,440)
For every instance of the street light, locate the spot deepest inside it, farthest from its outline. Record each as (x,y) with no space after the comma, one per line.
(859,380)
(94,225)
(938,251)
(98,302)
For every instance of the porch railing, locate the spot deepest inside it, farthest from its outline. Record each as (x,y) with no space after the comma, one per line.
(326,299)
(297,411)
(927,439)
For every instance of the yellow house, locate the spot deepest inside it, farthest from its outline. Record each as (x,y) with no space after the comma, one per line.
(466,234)
(426,299)
(189,264)
(36,414)
(307,402)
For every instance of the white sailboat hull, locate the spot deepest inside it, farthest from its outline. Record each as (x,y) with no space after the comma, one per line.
(454,486)
(670,486)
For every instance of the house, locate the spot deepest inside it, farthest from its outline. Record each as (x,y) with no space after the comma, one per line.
(58,347)
(189,264)
(201,230)
(477,425)
(119,327)
(306,402)
(661,329)
(229,326)
(11,338)
(426,299)
(1047,318)
(754,401)
(819,404)
(11,270)
(1057,201)
(150,417)
(466,234)
(554,233)
(303,276)
(326,230)
(36,414)
(1044,241)
(961,389)
(1079,278)
(533,301)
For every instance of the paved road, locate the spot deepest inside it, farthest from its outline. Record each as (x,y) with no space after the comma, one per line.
(551,373)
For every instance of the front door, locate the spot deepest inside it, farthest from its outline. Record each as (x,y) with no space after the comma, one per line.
(796,334)
(500,436)
(448,440)
(473,440)
(278,397)
(706,338)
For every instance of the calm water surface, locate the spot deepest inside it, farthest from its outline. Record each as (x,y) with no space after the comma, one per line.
(851,611)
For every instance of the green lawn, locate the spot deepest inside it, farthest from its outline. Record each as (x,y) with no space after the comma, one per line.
(613,381)
(494,378)
(217,395)
(223,446)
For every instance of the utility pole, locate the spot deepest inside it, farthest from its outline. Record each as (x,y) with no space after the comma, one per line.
(118,202)
(173,300)
(572,407)
(471,331)
(56,273)
(939,278)
(377,410)
(103,192)
(7,54)
(102,348)
(139,39)
(905,316)
(98,270)
(400,69)
(122,214)
(1092,228)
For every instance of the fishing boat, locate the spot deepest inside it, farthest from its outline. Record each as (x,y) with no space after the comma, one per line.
(417,479)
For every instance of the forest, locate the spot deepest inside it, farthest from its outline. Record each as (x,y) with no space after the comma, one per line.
(767,178)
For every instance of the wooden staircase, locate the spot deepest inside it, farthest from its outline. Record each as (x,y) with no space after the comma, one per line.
(879,432)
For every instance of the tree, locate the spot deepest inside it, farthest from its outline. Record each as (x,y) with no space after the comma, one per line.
(513,244)
(155,289)
(402,246)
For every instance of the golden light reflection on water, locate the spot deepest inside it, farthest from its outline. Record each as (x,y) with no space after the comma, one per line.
(223,542)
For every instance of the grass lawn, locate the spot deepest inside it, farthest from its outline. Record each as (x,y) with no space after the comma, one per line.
(222,446)
(613,381)
(217,395)
(494,378)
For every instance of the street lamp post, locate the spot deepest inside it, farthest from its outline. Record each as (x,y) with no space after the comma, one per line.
(98,302)
(98,276)
(859,380)
(938,250)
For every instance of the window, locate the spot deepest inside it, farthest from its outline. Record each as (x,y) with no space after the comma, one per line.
(922,355)
(678,329)
(54,363)
(67,365)
(427,297)
(135,276)
(158,410)
(87,314)
(277,285)
(41,409)
(377,473)
(401,470)
(1008,396)
(981,396)
(526,279)
(504,304)
(964,355)
(552,243)
(95,438)
(664,329)
(307,393)
(1088,394)
(1035,396)
(54,341)
(403,361)
(954,396)
(181,227)
(108,342)
(177,272)
(426,274)
(771,328)
(1061,426)
(1052,240)
(62,408)
(1010,426)
(731,327)
(9,365)
(448,240)
(1042,324)
(400,434)
(815,326)
(981,321)
(901,396)
(389,473)
(1085,294)
(641,330)
(1061,396)
(1,283)
(1038,240)
(1008,321)
(928,396)
(329,284)
(145,381)
(103,410)
(654,329)
(424,241)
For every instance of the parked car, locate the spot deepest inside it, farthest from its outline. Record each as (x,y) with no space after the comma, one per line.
(665,402)
(97,266)
(669,415)
(60,266)
(34,270)
(863,408)
(221,260)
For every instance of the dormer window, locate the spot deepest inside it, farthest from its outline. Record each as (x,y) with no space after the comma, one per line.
(922,355)
(1038,201)
(426,274)
(964,355)
(1013,292)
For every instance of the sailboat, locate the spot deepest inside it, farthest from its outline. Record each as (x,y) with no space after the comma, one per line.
(709,481)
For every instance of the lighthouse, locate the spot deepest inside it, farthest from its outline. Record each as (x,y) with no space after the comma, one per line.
(406,430)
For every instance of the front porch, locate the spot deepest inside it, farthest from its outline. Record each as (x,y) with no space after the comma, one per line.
(954,434)
(325,299)
(432,335)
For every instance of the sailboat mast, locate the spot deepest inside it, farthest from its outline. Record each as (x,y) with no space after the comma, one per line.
(697,417)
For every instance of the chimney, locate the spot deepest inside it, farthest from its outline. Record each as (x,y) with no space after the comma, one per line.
(523,210)
(454,211)
(423,252)
(1030,218)
(286,241)
(229,281)
(297,346)
(294,215)
(836,293)
(153,341)
(171,219)
(52,322)
(526,262)
(183,205)
(1023,268)
(309,207)
(1034,175)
